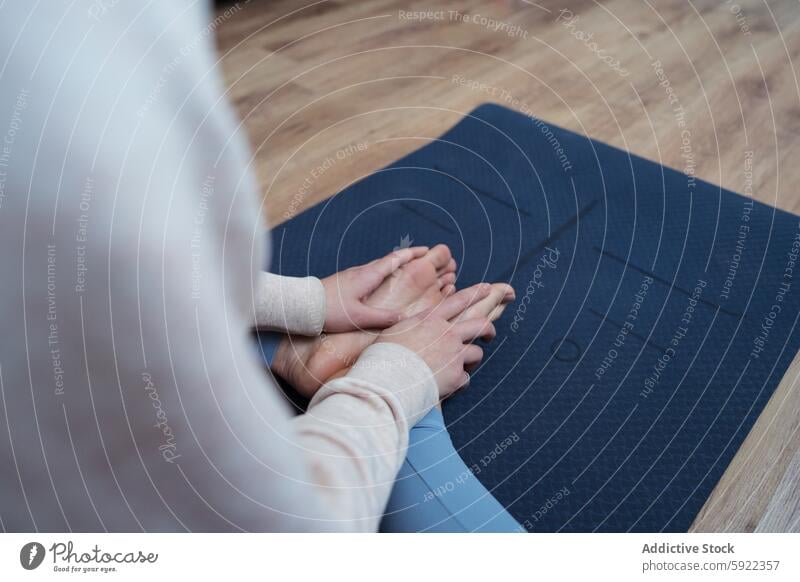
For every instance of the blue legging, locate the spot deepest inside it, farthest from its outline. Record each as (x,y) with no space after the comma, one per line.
(434,490)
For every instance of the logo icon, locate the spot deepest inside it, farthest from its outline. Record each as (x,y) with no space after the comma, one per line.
(405,242)
(31,555)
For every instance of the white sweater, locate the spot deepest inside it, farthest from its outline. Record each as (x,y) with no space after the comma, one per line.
(130,257)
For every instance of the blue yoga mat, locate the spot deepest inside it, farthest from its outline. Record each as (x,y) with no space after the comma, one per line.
(655,313)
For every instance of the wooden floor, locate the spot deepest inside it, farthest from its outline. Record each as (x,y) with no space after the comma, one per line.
(362,78)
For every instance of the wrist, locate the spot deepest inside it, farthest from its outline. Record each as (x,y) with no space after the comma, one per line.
(290,304)
(400,371)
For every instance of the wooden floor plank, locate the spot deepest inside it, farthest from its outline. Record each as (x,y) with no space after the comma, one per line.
(310,81)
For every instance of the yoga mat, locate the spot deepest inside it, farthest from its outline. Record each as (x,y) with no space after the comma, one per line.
(655,313)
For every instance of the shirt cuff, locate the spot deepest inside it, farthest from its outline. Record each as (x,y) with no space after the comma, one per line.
(290,304)
(393,373)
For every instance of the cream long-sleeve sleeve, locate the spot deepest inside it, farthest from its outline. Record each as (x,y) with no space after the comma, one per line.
(291,304)
(132,397)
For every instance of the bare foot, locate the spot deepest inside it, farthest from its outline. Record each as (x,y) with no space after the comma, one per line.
(308,362)
(492,306)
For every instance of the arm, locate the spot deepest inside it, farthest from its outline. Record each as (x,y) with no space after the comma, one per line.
(306,305)
(290,304)
(156,414)
(357,427)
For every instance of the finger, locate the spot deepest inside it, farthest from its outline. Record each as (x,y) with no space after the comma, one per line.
(500,294)
(461,300)
(396,259)
(464,381)
(448,290)
(373,274)
(496,313)
(472,329)
(472,355)
(510,295)
(374,317)
(418,251)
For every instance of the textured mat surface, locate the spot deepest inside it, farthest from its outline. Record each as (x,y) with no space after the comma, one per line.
(655,313)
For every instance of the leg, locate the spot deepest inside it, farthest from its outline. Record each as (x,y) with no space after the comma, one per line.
(436,492)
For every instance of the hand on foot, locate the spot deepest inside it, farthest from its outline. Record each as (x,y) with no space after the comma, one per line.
(309,362)
(346,308)
(422,284)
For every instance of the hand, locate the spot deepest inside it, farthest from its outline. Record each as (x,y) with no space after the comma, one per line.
(441,342)
(346,290)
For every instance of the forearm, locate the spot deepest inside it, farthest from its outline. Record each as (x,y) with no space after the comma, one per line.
(356,431)
(290,304)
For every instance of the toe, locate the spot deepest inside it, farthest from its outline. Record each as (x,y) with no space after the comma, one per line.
(440,256)
(447,279)
(417,275)
(450,267)
(424,270)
